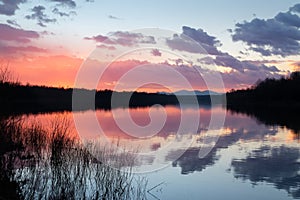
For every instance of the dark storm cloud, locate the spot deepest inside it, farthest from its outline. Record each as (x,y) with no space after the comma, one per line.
(200,36)
(39,15)
(198,41)
(194,41)
(295,8)
(276,36)
(288,19)
(9,7)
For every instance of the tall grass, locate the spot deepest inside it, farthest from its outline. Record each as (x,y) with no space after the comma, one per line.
(40,163)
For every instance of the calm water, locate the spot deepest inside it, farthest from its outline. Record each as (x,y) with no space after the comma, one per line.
(244,159)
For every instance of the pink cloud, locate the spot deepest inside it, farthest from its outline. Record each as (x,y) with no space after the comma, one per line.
(98,38)
(8,33)
(142,70)
(5,50)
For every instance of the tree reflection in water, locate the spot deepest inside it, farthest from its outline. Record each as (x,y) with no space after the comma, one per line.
(37,163)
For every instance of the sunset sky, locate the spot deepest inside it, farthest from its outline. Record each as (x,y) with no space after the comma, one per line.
(46,42)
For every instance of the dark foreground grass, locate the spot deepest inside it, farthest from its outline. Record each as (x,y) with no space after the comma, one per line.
(40,163)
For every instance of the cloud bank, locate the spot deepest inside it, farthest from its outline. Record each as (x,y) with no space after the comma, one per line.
(276,36)
(9,7)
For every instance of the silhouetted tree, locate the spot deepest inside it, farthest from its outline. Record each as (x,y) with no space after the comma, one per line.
(295,75)
(7,76)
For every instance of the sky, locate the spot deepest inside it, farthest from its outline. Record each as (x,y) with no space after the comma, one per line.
(149,45)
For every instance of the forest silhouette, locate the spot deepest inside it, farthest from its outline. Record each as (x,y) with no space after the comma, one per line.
(272,101)
(17,98)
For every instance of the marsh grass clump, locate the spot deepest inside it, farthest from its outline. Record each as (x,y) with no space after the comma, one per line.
(40,163)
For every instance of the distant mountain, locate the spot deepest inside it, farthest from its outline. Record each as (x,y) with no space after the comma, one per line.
(190,93)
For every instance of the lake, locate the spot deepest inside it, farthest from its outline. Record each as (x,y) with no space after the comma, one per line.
(246,159)
(238,157)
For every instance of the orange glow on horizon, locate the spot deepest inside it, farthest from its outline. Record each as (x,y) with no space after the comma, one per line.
(56,71)
(61,71)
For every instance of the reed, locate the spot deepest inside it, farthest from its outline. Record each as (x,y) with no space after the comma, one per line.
(40,163)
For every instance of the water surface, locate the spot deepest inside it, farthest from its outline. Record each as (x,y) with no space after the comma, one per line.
(249,160)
